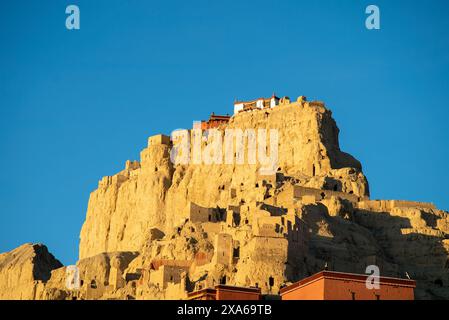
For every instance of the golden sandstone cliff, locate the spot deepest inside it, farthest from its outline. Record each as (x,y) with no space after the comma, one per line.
(157,230)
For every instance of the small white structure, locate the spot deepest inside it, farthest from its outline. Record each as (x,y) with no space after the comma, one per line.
(261,103)
(238,107)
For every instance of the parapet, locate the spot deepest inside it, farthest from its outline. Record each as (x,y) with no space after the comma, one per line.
(132,165)
(301,99)
(317,104)
(158,139)
(320,194)
(388,205)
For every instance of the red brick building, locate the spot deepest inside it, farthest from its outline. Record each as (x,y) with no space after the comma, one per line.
(214,121)
(329,285)
(223,292)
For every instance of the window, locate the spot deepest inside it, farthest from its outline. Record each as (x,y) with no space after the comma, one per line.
(93,284)
(223,280)
(377,296)
(353,295)
(271,281)
(236,252)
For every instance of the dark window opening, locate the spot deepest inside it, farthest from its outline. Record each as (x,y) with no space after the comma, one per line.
(353,295)
(223,280)
(93,284)
(257,185)
(271,281)
(313,170)
(335,188)
(210,217)
(377,296)
(323,195)
(236,218)
(236,252)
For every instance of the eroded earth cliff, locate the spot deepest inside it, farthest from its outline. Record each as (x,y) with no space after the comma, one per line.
(158,231)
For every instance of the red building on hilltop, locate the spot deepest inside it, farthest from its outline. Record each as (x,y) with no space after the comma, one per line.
(214,121)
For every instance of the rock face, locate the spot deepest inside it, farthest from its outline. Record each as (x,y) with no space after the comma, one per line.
(24,270)
(154,194)
(157,230)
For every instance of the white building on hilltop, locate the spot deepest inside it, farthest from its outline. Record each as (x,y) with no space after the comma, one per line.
(261,103)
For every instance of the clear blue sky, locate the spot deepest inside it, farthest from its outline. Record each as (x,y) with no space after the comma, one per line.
(75,105)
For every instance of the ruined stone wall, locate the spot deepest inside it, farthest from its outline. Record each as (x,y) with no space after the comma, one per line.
(148,234)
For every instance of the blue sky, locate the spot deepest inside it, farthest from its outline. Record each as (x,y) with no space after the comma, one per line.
(75,105)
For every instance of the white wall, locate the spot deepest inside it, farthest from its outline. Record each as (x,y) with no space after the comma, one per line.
(238,107)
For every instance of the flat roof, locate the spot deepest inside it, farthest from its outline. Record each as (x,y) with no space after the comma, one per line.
(235,288)
(223,287)
(347,276)
(255,100)
(216,116)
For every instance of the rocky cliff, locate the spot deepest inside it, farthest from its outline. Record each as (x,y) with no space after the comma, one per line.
(153,194)
(24,270)
(157,230)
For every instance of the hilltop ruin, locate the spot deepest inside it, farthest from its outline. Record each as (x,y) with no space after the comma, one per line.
(156,230)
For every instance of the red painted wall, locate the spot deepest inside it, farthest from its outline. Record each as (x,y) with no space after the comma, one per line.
(348,287)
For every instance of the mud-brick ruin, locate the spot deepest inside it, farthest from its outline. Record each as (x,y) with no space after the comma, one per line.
(157,230)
